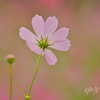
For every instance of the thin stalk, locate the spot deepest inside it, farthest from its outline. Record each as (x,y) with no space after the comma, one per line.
(35,72)
(10,97)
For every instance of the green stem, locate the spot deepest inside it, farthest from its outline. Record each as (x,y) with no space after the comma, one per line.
(10,82)
(35,71)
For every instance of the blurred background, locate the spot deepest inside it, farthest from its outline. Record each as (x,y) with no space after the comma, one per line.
(75,70)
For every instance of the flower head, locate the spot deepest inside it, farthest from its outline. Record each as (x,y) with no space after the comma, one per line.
(10,58)
(46,37)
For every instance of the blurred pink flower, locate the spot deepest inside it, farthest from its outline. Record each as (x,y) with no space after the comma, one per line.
(45,37)
(42,93)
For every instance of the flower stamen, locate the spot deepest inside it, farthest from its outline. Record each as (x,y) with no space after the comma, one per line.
(44,42)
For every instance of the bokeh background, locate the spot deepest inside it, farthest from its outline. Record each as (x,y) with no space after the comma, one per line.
(75,70)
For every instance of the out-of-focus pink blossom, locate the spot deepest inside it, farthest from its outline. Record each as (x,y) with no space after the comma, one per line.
(41,93)
(46,37)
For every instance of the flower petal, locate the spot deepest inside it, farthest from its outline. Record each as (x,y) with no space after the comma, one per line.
(27,35)
(33,47)
(38,51)
(50,57)
(62,45)
(60,34)
(38,25)
(50,26)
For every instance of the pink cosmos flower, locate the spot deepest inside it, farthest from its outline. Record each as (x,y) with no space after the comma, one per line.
(46,37)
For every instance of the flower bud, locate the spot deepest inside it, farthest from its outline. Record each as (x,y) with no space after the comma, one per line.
(10,58)
(27,97)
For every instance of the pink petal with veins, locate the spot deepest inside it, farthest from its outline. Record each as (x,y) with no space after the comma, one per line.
(27,35)
(38,51)
(38,25)
(33,47)
(50,26)
(61,45)
(50,57)
(60,34)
